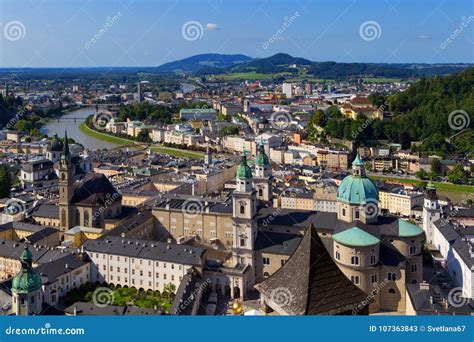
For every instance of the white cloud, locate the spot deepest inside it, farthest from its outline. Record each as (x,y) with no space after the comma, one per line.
(212,26)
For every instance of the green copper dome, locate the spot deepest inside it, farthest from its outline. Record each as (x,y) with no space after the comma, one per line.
(27,280)
(357,161)
(244,171)
(262,158)
(355,237)
(357,188)
(407,229)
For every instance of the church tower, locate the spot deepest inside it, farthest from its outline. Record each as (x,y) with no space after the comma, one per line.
(263,178)
(26,288)
(431,211)
(208,156)
(66,187)
(244,212)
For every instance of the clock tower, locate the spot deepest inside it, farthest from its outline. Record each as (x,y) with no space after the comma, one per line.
(66,187)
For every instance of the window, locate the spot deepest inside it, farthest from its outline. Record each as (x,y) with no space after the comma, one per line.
(242,242)
(260,192)
(266,261)
(86,218)
(355,280)
(391,276)
(338,255)
(343,212)
(412,250)
(374,278)
(392,291)
(413,268)
(373,259)
(357,215)
(355,260)
(242,209)
(157,275)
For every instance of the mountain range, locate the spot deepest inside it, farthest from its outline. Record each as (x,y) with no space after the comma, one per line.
(208,64)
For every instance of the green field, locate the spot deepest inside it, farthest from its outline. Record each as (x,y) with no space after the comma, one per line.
(456,192)
(245,76)
(382,80)
(121,141)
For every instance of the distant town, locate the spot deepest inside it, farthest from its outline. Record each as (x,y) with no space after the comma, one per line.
(237,192)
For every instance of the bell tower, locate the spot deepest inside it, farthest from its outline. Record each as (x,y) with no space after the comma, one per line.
(244,212)
(26,287)
(66,187)
(263,178)
(431,211)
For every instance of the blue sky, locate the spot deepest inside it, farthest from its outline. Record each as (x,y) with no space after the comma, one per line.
(59,33)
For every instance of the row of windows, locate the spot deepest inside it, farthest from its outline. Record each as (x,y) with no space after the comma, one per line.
(141,281)
(355,260)
(140,261)
(104,267)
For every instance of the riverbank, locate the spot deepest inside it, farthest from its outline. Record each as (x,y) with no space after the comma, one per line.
(121,141)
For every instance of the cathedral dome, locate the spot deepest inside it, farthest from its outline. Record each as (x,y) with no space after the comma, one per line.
(27,280)
(244,171)
(262,158)
(357,188)
(55,145)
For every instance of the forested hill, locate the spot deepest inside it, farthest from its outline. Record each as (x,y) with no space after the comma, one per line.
(436,108)
(431,112)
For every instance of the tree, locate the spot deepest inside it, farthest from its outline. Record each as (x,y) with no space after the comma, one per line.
(436,166)
(422,174)
(5,181)
(169,290)
(143,136)
(457,174)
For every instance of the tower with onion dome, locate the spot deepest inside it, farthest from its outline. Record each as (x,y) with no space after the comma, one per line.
(26,287)
(263,179)
(244,202)
(357,196)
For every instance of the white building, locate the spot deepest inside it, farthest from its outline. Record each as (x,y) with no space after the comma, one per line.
(142,264)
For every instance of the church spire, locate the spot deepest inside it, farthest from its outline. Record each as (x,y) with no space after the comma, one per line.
(66,154)
(358,168)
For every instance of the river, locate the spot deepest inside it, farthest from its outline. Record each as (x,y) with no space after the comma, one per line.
(72,127)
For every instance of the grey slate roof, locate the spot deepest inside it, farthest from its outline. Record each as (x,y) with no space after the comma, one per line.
(311,283)
(152,250)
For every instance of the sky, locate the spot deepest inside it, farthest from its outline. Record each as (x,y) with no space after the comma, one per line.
(73,33)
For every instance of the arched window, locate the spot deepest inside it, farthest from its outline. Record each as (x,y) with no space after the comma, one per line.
(338,255)
(78,218)
(63,217)
(86,218)
(392,291)
(260,192)
(242,209)
(355,260)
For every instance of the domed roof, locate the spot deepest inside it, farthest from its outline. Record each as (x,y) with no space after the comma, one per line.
(262,158)
(357,188)
(244,171)
(407,229)
(355,237)
(56,145)
(27,280)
